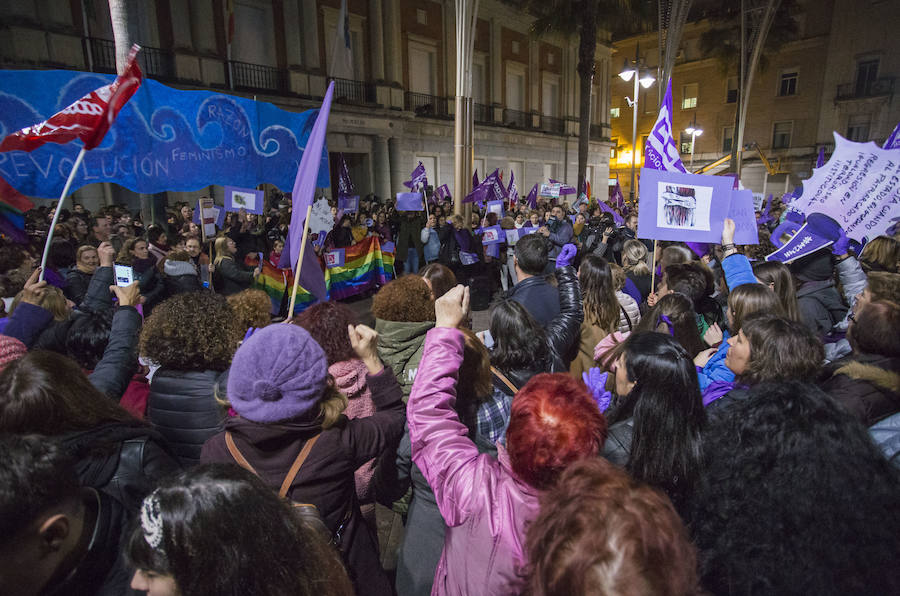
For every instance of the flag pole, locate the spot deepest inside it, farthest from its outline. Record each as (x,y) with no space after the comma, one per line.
(59,205)
(303,242)
(653,269)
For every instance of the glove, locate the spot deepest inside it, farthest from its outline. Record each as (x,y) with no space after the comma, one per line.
(841,245)
(566,256)
(596,382)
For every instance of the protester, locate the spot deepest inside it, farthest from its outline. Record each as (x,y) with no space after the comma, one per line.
(629,309)
(601,532)
(601,310)
(789,482)
(231,277)
(78,278)
(439,278)
(251,309)
(287,405)
(882,253)
(180,274)
(220,530)
(777,276)
(456,239)
(431,241)
(409,241)
(199,259)
(191,338)
(135,254)
(539,298)
(558,232)
(634,261)
(158,243)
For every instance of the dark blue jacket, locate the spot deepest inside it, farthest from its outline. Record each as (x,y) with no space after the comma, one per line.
(539,298)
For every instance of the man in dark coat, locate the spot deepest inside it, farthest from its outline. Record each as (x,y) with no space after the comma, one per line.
(539,298)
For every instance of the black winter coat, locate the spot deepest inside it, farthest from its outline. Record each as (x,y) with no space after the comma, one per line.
(183,408)
(231,277)
(77,283)
(868,385)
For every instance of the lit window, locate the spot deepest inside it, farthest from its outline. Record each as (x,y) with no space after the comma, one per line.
(781,135)
(685,142)
(689,96)
(614,112)
(788,83)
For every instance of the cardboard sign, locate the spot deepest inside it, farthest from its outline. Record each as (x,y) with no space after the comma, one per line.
(859,187)
(321,219)
(684,207)
(348,204)
(550,190)
(492,235)
(512,236)
(495,207)
(334,258)
(742,211)
(248,199)
(410,201)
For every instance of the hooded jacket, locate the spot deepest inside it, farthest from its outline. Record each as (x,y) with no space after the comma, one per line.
(868,385)
(181,276)
(400,346)
(484,504)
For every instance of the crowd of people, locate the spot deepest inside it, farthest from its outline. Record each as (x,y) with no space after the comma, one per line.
(636,418)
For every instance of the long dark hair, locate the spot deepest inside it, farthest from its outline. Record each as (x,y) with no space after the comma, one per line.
(223,531)
(668,413)
(47,393)
(679,309)
(519,340)
(601,307)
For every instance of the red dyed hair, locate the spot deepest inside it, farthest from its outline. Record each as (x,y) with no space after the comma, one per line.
(327,324)
(554,421)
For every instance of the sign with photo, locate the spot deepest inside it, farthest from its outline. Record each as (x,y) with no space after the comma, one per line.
(321,219)
(334,258)
(512,236)
(550,190)
(248,199)
(495,207)
(684,207)
(492,235)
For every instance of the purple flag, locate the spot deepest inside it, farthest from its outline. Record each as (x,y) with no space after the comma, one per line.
(893,141)
(345,185)
(311,278)
(417,177)
(804,242)
(531,199)
(765,216)
(442,192)
(512,191)
(661,153)
(616,217)
(475,180)
(410,201)
(820,160)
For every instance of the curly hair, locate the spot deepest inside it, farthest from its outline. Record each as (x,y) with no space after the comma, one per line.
(795,498)
(601,532)
(407,299)
(327,324)
(251,308)
(191,331)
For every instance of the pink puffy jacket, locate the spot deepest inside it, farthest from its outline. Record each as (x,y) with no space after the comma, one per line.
(483,504)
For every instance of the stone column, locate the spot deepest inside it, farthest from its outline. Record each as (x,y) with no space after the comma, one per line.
(292,46)
(382,167)
(376,39)
(497,77)
(310,34)
(393,52)
(397,167)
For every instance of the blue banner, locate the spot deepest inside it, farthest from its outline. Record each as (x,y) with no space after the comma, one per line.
(164,138)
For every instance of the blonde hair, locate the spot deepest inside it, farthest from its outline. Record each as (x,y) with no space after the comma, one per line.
(881,253)
(634,257)
(331,405)
(618,276)
(221,247)
(52,300)
(83,249)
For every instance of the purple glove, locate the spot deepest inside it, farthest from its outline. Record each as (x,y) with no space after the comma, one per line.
(596,382)
(566,256)
(841,245)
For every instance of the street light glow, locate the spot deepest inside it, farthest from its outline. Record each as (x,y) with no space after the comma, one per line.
(626,75)
(647,80)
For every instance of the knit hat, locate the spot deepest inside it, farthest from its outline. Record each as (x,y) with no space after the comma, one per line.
(279,373)
(11,349)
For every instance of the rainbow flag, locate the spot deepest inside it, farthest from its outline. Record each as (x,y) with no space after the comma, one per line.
(365,266)
(276,282)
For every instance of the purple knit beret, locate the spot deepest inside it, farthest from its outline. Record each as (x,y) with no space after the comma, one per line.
(279,373)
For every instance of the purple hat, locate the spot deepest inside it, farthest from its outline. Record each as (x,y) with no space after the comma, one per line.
(279,373)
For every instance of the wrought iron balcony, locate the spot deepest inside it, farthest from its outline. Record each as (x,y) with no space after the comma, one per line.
(155,62)
(862,89)
(258,77)
(483,114)
(516,119)
(426,105)
(553,125)
(350,91)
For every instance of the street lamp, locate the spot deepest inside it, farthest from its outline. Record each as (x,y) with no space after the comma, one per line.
(694,132)
(632,70)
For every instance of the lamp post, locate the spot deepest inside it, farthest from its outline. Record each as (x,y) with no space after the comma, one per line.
(694,132)
(631,70)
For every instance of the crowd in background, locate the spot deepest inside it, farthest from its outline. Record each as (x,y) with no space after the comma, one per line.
(637,418)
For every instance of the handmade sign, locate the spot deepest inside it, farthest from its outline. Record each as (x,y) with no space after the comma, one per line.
(742,211)
(859,187)
(468,258)
(334,258)
(211,215)
(550,190)
(248,199)
(685,207)
(410,201)
(348,204)
(818,232)
(495,207)
(512,236)
(492,235)
(321,219)
(163,139)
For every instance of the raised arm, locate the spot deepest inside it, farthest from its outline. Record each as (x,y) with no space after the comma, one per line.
(114,371)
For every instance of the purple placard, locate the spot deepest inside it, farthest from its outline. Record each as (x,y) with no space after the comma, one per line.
(742,211)
(248,199)
(410,201)
(512,236)
(468,258)
(495,207)
(685,207)
(334,258)
(804,242)
(348,204)
(525,231)
(492,235)
(388,247)
(319,238)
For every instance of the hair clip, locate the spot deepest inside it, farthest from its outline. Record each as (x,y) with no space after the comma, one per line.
(665,319)
(151,521)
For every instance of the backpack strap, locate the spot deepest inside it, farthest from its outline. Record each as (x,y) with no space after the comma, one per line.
(295,468)
(627,318)
(236,453)
(504,380)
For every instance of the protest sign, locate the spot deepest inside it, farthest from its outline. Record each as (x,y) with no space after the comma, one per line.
(818,232)
(492,235)
(859,187)
(248,199)
(758,199)
(685,207)
(742,211)
(468,258)
(550,190)
(321,219)
(348,204)
(410,201)
(334,258)
(512,236)
(209,215)
(495,207)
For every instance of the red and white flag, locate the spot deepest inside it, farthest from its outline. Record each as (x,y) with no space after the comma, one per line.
(87,119)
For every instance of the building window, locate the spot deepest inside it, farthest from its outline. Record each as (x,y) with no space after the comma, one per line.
(788,84)
(727,139)
(421,17)
(614,112)
(614,150)
(689,96)
(858,128)
(731,93)
(866,73)
(781,135)
(684,143)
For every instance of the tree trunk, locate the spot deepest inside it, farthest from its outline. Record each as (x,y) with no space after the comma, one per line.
(587,45)
(123,14)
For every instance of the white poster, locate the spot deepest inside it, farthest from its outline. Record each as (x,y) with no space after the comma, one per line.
(683,207)
(321,220)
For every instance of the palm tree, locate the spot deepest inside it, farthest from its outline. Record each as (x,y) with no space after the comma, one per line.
(586,18)
(123,14)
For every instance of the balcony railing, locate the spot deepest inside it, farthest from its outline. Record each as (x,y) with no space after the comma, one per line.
(553,125)
(426,105)
(155,62)
(516,119)
(483,114)
(862,89)
(596,132)
(349,91)
(258,77)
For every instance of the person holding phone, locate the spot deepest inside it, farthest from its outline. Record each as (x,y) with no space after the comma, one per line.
(231,277)
(135,254)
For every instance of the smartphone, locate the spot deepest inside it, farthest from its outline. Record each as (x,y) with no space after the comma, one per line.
(124,275)
(486,338)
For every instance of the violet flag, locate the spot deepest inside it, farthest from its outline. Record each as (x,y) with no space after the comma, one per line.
(531,199)
(442,192)
(512,191)
(661,153)
(345,185)
(417,177)
(893,141)
(618,196)
(820,160)
(311,278)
